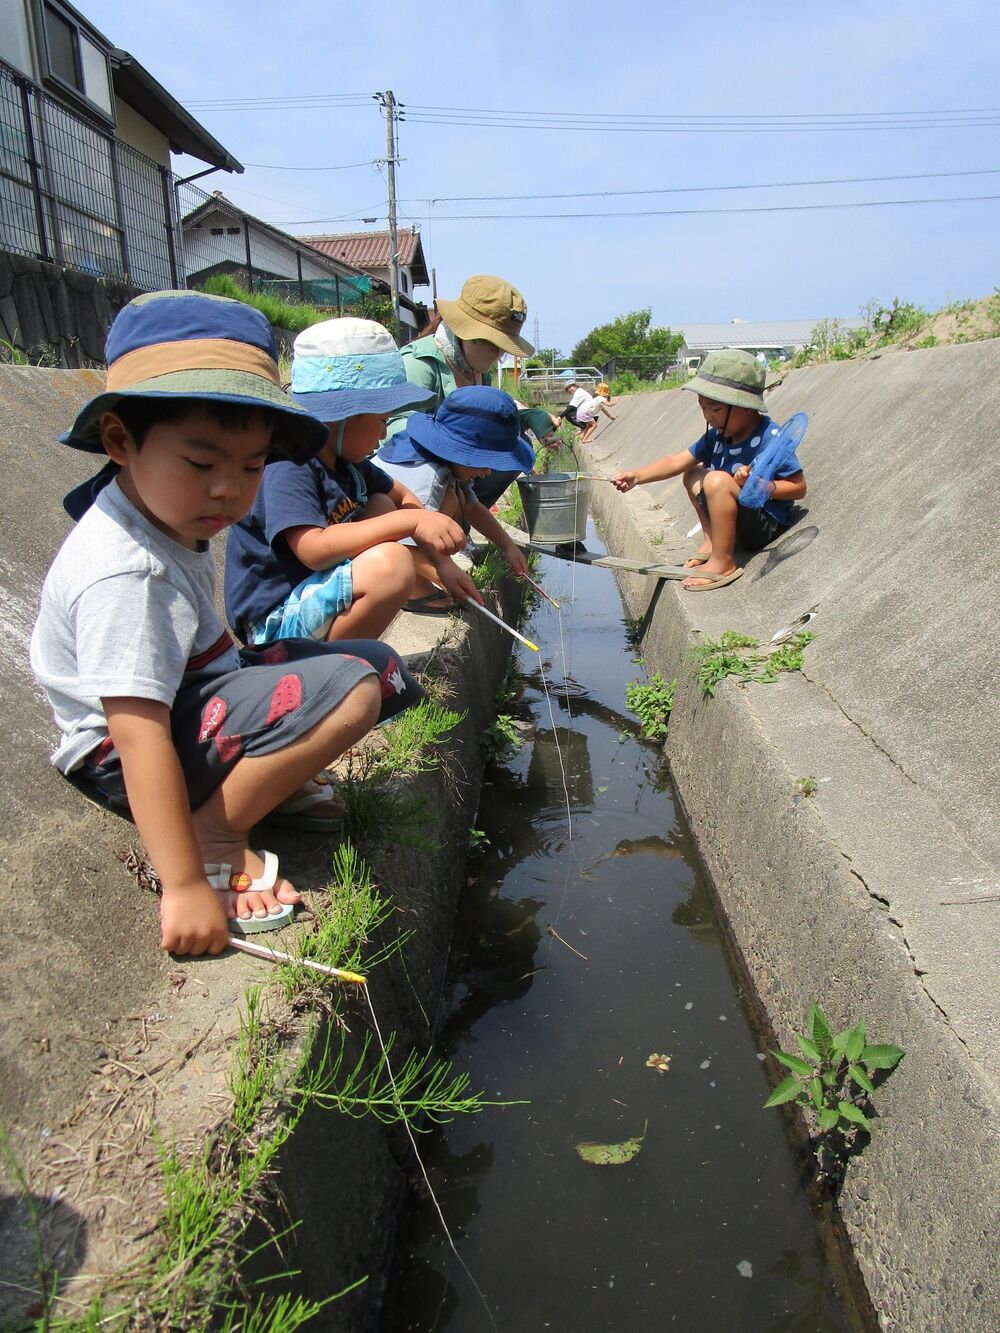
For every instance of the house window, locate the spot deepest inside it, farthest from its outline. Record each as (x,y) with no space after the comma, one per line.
(403,282)
(74,61)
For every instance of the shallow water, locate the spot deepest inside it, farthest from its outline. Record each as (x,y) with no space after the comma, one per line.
(586,943)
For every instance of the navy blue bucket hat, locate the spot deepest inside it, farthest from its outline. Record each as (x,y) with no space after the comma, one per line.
(349,368)
(474,427)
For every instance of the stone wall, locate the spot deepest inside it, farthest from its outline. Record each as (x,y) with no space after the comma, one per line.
(56,316)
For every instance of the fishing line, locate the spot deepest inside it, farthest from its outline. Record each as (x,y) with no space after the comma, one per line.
(423,1170)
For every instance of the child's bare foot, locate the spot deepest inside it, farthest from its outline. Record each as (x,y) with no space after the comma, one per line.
(232,872)
(700,557)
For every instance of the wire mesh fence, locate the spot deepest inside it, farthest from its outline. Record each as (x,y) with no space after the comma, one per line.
(73,193)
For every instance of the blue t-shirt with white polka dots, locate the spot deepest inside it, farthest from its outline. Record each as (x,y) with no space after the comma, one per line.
(720,455)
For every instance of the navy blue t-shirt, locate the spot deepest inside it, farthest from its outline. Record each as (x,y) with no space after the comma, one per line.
(260,568)
(720,455)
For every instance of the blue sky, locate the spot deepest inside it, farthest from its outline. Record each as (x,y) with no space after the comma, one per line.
(641,59)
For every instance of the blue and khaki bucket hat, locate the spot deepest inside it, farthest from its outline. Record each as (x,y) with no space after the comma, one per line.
(180,344)
(731,376)
(350,368)
(474,427)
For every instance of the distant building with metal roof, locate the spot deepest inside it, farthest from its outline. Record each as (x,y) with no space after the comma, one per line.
(369,252)
(776,338)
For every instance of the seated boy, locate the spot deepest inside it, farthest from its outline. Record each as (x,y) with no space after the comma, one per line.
(730,389)
(319,554)
(472,434)
(157,708)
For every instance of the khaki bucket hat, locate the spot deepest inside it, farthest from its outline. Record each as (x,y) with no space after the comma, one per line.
(491,309)
(731,376)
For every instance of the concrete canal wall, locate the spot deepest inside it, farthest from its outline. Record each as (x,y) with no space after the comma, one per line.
(848,897)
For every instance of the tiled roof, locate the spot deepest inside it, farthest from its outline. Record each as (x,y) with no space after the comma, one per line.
(369,251)
(756,333)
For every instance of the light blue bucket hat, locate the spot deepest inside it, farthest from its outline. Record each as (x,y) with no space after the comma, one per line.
(351,367)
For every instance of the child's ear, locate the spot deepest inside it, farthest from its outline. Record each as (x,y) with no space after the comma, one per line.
(115,437)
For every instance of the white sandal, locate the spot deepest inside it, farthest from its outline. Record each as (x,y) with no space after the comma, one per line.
(294,813)
(221,875)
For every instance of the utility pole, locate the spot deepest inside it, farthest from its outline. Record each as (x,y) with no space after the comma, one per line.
(388,104)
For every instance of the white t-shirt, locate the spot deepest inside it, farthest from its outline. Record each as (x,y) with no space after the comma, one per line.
(592,405)
(580,396)
(126,612)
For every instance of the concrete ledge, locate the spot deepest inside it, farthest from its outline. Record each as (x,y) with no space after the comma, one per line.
(838,897)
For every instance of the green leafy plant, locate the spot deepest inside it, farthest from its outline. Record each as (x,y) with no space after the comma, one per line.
(500,740)
(478,841)
(732,655)
(806,786)
(651,703)
(832,1082)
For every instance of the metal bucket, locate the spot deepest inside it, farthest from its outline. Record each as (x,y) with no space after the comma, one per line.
(555,506)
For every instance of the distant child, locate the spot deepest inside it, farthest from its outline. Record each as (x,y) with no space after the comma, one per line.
(159,712)
(730,389)
(475,432)
(587,412)
(319,554)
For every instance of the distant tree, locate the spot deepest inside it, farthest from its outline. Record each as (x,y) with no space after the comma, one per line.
(629,338)
(544,356)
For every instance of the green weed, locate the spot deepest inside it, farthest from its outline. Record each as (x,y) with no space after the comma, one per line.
(500,740)
(651,703)
(731,656)
(806,786)
(282,314)
(833,1084)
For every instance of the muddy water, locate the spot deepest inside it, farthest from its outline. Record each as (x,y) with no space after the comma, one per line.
(586,944)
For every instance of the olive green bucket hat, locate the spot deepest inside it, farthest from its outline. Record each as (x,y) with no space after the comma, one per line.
(733,377)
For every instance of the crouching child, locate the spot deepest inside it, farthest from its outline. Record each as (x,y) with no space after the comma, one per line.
(473,434)
(159,713)
(730,389)
(319,554)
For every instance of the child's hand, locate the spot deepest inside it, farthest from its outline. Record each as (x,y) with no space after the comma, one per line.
(437,534)
(458,584)
(516,562)
(741,474)
(624,481)
(193,920)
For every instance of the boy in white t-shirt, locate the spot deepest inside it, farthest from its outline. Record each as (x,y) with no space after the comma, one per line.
(159,712)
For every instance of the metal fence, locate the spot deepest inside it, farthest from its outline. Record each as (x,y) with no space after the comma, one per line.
(74,194)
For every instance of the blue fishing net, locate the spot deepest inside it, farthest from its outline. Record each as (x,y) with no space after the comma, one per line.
(778,449)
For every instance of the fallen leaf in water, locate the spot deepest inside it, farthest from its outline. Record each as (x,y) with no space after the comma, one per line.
(611,1154)
(661,1063)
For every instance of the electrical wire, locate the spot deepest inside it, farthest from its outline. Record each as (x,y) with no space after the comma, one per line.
(693,212)
(698,189)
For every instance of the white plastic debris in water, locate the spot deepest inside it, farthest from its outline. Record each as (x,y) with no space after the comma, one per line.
(705,1064)
(745,1268)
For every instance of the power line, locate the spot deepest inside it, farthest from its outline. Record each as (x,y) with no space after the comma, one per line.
(690,212)
(700,189)
(273,166)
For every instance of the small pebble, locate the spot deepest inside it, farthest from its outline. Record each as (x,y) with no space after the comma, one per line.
(689,1005)
(745,1268)
(705,1064)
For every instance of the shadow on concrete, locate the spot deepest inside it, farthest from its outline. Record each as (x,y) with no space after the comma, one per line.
(44,1241)
(794,544)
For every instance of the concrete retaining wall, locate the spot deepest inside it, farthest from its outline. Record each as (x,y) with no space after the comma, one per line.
(55,315)
(841,897)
